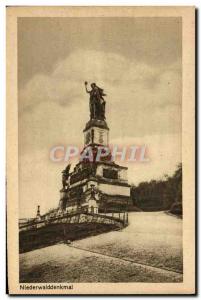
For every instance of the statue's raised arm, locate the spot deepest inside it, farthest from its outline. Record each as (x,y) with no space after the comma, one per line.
(86,87)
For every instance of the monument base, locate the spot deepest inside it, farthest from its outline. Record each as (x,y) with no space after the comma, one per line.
(99,186)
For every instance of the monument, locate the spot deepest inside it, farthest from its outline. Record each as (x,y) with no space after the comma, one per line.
(95,185)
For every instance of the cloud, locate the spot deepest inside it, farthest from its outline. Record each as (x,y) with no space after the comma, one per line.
(113,71)
(163,152)
(65,82)
(140,96)
(45,41)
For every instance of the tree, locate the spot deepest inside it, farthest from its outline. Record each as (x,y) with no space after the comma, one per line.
(159,194)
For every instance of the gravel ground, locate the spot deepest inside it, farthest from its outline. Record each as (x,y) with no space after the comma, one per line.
(152,238)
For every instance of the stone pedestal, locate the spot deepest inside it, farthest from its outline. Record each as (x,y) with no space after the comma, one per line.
(109,181)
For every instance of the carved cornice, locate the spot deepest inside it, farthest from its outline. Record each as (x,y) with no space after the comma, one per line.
(96,123)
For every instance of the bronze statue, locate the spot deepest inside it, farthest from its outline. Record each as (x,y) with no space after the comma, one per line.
(96,102)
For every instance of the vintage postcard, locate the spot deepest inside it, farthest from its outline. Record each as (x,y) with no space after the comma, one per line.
(101,150)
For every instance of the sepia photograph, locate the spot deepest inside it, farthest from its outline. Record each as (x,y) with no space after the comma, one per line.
(100,132)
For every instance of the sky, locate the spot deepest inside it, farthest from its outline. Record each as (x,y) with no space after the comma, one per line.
(138,63)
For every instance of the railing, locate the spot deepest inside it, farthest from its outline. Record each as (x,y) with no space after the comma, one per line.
(121,217)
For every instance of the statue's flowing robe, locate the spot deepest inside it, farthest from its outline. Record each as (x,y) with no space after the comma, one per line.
(97,104)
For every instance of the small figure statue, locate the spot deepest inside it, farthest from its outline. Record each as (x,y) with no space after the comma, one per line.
(38,212)
(65,175)
(96,102)
(93,192)
(92,136)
